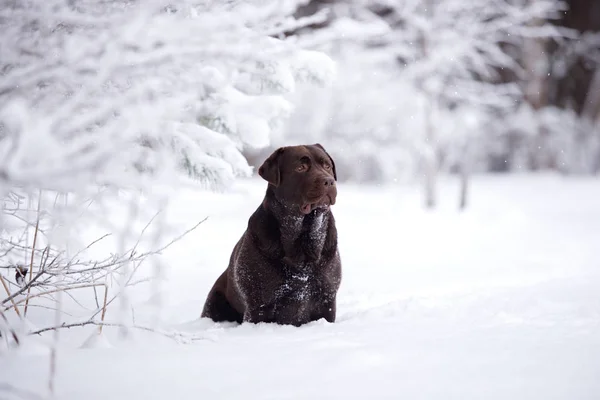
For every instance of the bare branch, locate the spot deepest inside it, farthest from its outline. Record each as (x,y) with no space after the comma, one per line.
(178,238)
(179,337)
(12,331)
(35,235)
(9,296)
(57,290)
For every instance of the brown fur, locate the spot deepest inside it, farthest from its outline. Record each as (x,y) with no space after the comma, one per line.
(286,267)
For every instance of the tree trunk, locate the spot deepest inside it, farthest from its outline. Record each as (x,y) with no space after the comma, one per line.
(536,64)
(464,187)
(430,158)
(430,179)
(591,107)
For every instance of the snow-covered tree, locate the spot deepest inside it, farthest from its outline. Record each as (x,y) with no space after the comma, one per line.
(100,97)
(358,116)
(563,134)
(455,53)
(435,57)
(133,76)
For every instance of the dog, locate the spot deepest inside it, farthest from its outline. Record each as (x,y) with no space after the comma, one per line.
(286,267)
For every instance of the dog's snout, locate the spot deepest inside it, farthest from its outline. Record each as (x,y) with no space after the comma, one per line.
(329,182)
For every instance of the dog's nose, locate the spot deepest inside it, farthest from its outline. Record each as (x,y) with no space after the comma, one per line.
(329,182)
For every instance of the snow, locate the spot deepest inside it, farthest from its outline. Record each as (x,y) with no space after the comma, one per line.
(99,106)
(498,302)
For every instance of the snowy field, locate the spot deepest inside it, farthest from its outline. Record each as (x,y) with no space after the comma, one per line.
(501,301)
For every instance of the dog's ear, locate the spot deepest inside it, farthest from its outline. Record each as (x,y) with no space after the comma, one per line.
(330,159)
(270,170)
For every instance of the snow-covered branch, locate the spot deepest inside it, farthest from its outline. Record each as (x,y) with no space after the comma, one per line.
(104,99)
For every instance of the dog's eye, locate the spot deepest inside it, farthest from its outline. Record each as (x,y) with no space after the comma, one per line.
(327,166)
(301,168)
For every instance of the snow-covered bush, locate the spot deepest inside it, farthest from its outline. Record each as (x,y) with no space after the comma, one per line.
(105,106)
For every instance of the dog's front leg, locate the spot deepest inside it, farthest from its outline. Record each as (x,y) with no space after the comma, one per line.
(326,308)
(257,313)
(329,310)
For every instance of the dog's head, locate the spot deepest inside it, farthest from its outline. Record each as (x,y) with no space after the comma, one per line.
(302,176)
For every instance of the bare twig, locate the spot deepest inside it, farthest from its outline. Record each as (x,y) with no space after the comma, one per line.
(51,309)
(180,337)
(178,238)
(57,290)
(116,295)
(137,243)
(103,307)
(60,274)
(37,226)
(96,297)
(12,331)
(9,296)
(27,287)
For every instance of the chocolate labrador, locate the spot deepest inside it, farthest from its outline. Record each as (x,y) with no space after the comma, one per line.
(286,267)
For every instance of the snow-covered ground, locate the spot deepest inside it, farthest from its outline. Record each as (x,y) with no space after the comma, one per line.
(501,301)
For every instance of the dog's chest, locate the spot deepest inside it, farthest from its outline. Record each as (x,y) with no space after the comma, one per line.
(314,225)
(317,228)
(300,283)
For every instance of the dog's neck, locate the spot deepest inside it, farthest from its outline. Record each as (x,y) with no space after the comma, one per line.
(302,236)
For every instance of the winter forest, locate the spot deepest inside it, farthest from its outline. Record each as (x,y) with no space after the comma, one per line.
(466,140)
